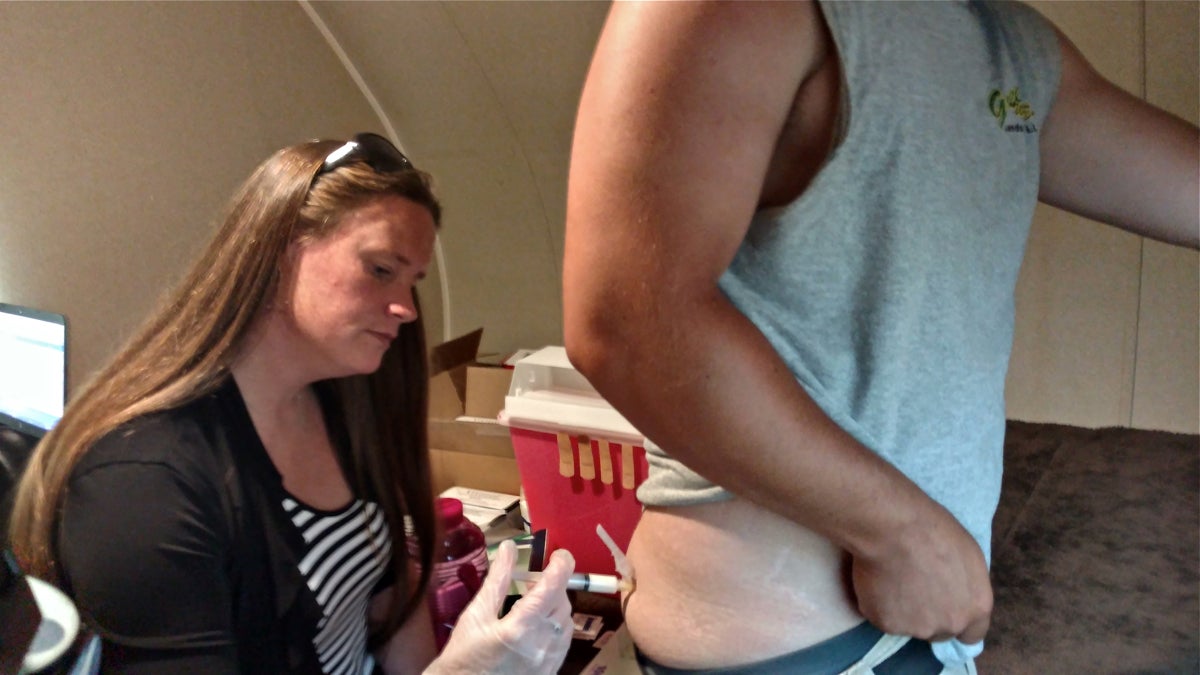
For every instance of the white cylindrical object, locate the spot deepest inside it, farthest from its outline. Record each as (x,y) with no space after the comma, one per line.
(594,583)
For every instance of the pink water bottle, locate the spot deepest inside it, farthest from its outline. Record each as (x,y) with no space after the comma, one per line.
(459,566)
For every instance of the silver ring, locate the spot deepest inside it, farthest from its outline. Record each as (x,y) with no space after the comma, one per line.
(558,629)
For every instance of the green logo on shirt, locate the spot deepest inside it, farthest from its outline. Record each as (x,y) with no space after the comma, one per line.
(1001,104)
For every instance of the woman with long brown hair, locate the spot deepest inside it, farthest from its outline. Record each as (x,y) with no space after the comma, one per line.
(240,489)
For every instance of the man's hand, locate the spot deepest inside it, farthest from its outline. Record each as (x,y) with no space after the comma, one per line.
(930,583)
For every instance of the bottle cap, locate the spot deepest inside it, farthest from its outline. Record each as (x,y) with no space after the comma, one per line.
(450,510)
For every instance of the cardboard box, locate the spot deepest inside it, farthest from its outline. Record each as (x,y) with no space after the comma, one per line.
(468,447)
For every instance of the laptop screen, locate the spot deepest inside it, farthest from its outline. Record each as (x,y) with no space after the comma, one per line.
(33,369)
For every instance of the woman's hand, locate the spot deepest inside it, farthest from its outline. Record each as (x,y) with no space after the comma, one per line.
(531,639)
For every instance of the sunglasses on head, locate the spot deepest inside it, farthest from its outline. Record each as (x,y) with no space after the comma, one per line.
(374,150)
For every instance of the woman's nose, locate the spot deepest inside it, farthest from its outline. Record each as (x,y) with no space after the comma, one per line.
(404,308)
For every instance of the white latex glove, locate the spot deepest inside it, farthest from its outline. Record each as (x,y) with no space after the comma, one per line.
(533,638)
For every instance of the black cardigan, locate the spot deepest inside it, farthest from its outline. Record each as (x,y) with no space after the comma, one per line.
(176,549)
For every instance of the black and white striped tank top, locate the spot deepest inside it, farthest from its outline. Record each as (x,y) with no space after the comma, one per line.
(346,553)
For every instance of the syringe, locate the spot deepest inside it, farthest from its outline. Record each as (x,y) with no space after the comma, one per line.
(594,583)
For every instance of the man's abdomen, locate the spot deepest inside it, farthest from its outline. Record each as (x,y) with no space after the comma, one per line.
(729,583)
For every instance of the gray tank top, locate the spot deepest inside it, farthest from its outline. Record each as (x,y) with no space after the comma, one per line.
(887,287)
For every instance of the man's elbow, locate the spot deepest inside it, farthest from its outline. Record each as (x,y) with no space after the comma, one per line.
(606,332)
(591,344)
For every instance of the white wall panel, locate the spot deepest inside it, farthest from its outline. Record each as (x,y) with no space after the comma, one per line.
(129,126)
(1167,377)
(1077,298)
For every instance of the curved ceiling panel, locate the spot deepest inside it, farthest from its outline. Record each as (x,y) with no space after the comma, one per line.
(483,94)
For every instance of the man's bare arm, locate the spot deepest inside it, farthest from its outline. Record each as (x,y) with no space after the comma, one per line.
(1112,157)
(678,122)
